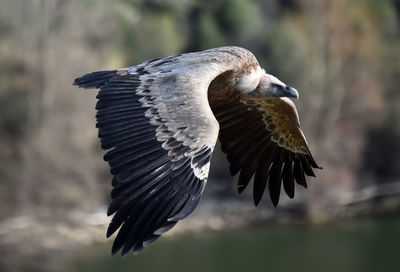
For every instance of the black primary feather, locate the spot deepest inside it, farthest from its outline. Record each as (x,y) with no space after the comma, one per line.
(95,79)
(152,191)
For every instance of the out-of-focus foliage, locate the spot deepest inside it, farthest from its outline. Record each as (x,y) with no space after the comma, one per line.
(343,56)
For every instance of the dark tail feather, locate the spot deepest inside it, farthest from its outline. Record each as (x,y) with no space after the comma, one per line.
(95,79)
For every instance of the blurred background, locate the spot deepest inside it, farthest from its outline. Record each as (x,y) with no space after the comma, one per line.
(344,58)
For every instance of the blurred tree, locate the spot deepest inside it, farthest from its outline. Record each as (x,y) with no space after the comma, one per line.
(380,163)
(342,56)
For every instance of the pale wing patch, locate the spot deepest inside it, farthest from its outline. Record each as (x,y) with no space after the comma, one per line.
(182,116)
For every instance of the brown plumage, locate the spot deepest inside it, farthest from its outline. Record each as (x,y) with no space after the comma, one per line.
(160,120)
(262,137)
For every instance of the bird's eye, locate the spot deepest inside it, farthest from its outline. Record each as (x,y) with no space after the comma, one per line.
(277,87)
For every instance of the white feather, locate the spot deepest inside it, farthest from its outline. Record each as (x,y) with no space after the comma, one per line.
(249,82)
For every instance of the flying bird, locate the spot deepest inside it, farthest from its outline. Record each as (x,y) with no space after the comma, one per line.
(160,121)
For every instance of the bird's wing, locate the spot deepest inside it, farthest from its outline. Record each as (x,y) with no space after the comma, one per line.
(262,137)
(156,122)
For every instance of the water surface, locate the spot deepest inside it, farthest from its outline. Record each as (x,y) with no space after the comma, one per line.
(364,245)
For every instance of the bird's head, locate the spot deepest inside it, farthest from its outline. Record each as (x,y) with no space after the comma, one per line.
(270,86)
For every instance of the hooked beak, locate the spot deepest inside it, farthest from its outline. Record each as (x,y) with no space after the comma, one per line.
(280,91)
(291,92)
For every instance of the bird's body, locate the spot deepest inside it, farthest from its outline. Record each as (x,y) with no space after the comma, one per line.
(160,121)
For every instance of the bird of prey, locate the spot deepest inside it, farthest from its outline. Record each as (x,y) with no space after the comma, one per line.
(160,121)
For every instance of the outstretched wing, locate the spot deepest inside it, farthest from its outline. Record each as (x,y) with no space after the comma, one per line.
(262,137)
(160,132)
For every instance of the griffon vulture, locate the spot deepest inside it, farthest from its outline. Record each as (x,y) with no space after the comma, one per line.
(160,121)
